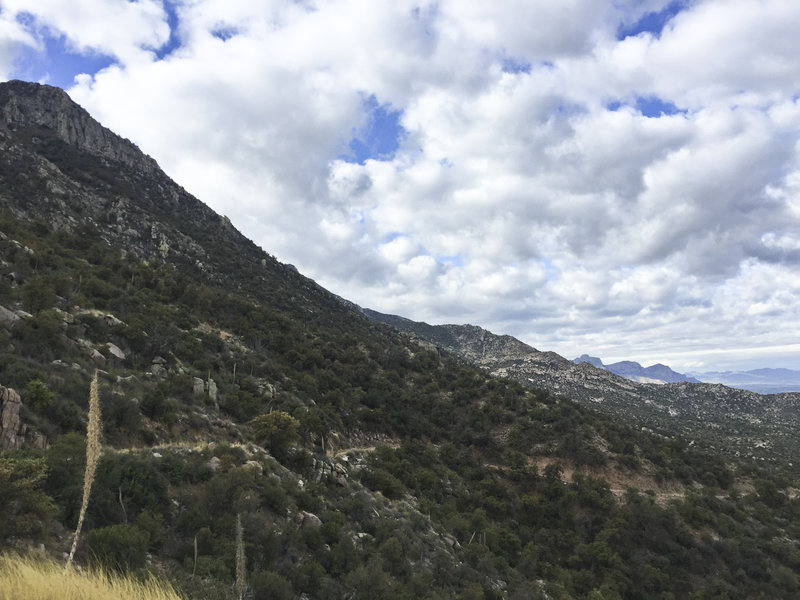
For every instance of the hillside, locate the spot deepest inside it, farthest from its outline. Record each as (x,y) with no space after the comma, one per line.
(735,422)
(362,463)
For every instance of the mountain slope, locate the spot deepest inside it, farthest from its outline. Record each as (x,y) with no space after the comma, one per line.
(736,422)
(375,466)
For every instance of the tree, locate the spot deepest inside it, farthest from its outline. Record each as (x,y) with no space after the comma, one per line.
(26,508)
(275,431)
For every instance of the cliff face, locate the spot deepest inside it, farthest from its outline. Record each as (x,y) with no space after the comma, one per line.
(66,170)
(25,105)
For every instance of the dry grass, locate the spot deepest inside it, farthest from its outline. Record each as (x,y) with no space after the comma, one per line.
(30,578)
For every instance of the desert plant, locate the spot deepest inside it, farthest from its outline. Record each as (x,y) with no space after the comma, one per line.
(275,431)
(240,565)
(26,507)
(92,458)
(121,546)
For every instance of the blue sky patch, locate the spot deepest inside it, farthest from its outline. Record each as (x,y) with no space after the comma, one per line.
(515,65)
(173,42)
(380,137)
(224,32)
(58,64)
(455,260)
(652,106)
(652,22)
(649,106)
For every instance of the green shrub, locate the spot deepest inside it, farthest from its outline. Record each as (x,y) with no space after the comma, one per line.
(122,546)
(275,431)
(26,508)
(268,585)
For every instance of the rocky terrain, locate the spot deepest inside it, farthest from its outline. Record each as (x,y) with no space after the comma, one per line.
(739,422)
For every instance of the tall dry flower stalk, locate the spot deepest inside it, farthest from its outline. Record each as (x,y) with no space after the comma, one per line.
(239,558)
(92,458)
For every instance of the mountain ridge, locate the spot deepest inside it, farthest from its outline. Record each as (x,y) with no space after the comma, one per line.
(636,372)
(751,424)
(357,463)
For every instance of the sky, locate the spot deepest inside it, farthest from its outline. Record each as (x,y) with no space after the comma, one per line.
(619,178)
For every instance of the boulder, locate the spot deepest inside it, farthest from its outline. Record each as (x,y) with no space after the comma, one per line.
(10,422)
(308,519)
(198,386)
(115,350)
(7,317)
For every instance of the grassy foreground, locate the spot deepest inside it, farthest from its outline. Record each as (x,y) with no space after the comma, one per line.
(30,578)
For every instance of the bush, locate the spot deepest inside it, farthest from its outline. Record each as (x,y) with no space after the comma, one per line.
(120,546)
(275,431)
(26,508)
(268,585)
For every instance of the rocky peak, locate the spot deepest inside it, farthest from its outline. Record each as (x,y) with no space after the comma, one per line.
(24,104)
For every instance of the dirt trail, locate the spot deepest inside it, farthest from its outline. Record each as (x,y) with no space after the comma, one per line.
(618,482)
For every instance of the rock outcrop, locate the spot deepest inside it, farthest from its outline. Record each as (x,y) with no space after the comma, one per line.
(22,103)
(11,429)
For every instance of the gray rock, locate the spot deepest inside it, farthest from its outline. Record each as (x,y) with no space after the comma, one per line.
(198,386)
(10,422)
(213,463)
(115,351)
(255,465)
(7,317)
(64,316)
(308,519)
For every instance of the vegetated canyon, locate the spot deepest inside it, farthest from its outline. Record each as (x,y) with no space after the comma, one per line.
(363,459)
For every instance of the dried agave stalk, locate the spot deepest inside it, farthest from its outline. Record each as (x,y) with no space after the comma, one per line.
(239,558)
(92,458)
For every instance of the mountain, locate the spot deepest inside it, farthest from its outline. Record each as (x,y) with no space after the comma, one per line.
(357,461)
(736,422)
(762,381)
(657,373)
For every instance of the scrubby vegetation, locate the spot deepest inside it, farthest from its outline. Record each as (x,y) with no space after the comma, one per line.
(455,484)
(358,463)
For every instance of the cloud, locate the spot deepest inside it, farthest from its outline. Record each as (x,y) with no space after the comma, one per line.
(14,39)
(547,179)
(128,30)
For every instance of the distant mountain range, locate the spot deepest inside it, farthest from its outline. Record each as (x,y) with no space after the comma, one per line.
(628,369)
(761,381)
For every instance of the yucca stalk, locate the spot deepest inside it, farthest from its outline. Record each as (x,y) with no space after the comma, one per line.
(239,558)
(92,458)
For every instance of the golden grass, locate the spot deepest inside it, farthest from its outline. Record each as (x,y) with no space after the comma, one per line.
(36,578)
